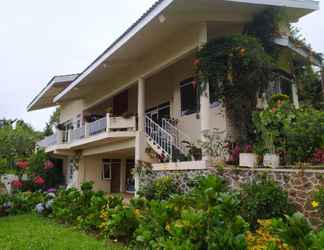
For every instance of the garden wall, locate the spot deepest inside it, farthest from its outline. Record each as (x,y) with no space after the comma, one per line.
(300,184)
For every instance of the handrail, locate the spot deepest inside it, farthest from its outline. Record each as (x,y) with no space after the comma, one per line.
(160,136)
(48,141)
(78,133)
(178,136)
(98,126)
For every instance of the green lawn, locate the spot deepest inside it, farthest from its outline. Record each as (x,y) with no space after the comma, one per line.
(30,232)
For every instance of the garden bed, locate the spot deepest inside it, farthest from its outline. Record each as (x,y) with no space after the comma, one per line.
(34,232)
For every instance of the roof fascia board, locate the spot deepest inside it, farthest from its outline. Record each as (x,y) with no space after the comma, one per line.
(162,5)
(55,79)
(302,4)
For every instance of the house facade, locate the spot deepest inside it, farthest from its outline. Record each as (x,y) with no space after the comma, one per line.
(137,101)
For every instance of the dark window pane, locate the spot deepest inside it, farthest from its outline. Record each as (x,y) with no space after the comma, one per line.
(188,92)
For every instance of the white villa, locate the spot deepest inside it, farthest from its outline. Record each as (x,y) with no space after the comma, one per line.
(125,103)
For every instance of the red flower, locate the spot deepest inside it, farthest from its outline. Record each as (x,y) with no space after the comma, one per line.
(318,156)
(48,165)
(196,62)
(16,184)
(39,181)
(22,164)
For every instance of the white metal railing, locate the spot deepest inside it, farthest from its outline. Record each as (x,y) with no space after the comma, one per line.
(178,136)
(160,137)
(48,141)
(77,134)
(98,126)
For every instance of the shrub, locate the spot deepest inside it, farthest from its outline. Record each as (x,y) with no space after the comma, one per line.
(318,202)
(295,230)
(263,199)
(159,189)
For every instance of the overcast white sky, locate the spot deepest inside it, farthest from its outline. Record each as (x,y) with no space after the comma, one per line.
(39,39)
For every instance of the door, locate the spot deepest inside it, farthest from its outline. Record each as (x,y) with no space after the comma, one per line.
(120,103)
(130,180)
(115,176)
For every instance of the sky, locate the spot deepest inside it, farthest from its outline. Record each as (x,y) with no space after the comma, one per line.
(40,39)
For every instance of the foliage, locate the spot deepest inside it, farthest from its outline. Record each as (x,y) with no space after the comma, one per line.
(207,217)
(17,141)
(160,189)
(295,230)
(213,144)
(263,238)
(239,68)
(295,134)
(319,202)
(53,122)
(263,199)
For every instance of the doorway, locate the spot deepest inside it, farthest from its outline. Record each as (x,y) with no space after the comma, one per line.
(115,176)
(120,103)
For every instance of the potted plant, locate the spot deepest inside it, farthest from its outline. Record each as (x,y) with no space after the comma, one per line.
(270,158)
(248,158)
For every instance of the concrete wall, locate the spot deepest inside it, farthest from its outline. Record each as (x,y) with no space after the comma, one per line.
(70,110)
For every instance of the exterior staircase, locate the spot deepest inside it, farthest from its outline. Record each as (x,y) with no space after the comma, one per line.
(166,140)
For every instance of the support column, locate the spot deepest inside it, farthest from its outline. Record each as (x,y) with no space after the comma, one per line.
(295,95)
(141,104)
(140,143)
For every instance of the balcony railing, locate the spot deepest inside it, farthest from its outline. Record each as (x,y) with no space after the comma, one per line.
(48,141)
(98,126)
(107,124)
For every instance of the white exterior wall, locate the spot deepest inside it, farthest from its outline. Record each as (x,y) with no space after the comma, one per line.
(70,110)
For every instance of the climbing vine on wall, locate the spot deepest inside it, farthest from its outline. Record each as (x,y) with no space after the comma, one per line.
(239,68)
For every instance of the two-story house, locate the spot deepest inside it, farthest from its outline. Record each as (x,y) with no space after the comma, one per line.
(126,101)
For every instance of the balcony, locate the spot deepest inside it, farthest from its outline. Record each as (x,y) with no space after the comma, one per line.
(102,128)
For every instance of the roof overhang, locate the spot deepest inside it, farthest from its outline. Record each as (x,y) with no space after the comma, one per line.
(140,37)
(55,86)
(304,52)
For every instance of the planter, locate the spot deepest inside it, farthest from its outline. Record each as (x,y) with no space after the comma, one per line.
(271,160)
(248,160)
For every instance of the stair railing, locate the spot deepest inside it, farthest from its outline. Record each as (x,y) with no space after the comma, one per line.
(178,136)
(159,136)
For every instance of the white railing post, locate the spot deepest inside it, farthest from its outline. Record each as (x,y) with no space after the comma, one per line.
(108,122)
(69,135)
(86,130)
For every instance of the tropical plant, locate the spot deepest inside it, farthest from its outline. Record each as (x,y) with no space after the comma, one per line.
(264,199)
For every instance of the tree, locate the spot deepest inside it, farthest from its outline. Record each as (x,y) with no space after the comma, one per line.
(53,122)
(17,141)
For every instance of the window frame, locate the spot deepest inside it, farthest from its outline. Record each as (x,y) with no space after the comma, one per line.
(184,112)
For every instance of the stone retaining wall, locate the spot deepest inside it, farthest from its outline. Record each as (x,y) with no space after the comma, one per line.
(300,184)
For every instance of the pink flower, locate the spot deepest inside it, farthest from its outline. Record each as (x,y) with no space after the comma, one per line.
(248,148)
(16,184)
(318,156)
(22,164)
(39,181)
(48,165)
(196,62)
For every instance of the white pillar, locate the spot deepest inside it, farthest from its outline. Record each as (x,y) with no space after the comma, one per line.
(204,111)
(141,104)
(295,95)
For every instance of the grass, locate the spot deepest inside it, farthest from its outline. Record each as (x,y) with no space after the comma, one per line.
(31,232)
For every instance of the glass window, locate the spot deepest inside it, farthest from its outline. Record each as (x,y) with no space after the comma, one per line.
(280,85)
(189,100)
(106,170)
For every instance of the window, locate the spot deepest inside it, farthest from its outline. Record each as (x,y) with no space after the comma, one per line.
(106,170)
(189,100)
(280,85)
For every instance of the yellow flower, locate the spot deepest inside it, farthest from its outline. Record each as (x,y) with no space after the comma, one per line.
(315,204)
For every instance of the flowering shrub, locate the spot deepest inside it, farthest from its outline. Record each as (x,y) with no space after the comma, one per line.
(48,165)
(39,181)
(318,156)
(264,239)
(318,202)
(16,184)
(23,164)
